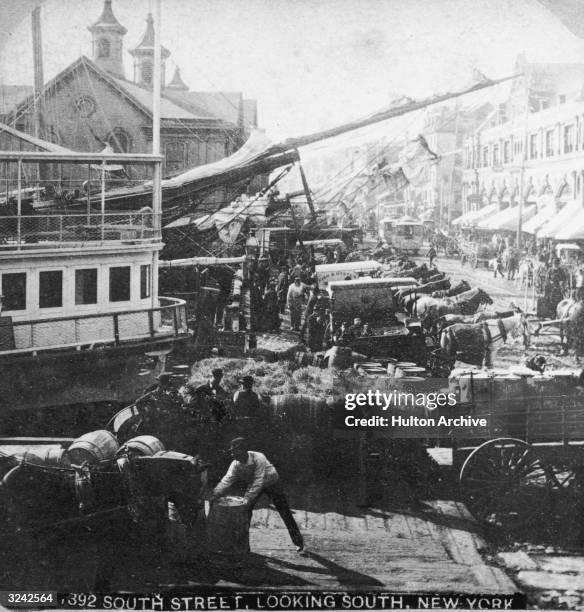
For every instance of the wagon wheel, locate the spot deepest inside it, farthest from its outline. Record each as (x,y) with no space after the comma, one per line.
(503,480)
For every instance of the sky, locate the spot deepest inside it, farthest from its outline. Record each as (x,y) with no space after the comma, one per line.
(310,64)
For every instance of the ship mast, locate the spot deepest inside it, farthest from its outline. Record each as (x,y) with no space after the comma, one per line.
(157,172)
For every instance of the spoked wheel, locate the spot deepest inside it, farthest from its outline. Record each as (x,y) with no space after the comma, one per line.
(504,482)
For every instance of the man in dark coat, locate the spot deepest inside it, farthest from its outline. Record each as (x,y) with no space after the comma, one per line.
(271,309)
(214,396)
(316,330)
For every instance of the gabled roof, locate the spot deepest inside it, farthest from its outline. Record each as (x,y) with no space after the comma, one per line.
(139,96)
(12,95)
(107,20)
(225,105)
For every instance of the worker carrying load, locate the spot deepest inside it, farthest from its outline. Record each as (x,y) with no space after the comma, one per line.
(259,476)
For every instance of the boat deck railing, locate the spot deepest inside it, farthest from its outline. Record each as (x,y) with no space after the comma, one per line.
(166,321)
(66,230)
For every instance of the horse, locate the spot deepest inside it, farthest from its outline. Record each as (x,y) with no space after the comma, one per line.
(524,276)
(460,287)
(571,319)
(482,315)
(430,309)
(477,343)
(426,288)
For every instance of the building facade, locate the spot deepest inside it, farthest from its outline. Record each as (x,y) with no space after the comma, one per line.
(540,133)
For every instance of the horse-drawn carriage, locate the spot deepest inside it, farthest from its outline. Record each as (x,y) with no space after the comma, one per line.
(476,254)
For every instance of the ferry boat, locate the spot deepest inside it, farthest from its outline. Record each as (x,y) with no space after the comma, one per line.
(80,317)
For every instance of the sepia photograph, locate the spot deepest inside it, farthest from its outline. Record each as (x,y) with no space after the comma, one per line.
(291,304)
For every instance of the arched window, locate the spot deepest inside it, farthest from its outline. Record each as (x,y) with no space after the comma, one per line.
(120,141)
(103,47)
(147,72)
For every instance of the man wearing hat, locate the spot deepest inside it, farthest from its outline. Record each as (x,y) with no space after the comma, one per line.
(214,394)
(246,402)
(259,476)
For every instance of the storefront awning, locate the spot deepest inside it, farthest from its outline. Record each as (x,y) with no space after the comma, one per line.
(540,219)
(471,218)
(557,222)
(574,230)
(506,220)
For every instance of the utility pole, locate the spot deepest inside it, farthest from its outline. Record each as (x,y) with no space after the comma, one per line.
(522,170)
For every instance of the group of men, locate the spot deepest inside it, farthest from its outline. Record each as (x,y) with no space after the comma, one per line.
(208,402)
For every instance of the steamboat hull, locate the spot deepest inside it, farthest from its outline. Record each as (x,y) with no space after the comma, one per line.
(116,374)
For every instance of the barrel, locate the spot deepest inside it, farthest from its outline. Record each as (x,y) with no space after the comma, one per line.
(301,412)
(228,529)
(50,456)
(93,447)
(145,446)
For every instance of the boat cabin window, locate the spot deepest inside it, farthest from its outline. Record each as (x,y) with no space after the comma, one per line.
(145,281)
(14,290)
(119,284)
(51,289)
(86,286)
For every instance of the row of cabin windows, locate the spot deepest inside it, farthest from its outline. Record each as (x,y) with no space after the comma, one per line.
(51,287)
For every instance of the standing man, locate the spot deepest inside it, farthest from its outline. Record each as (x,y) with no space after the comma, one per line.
(214,394)
(310,305)
(282,288)
(316,325)
(431,254)
(259,476)
(295,300)
(246,402)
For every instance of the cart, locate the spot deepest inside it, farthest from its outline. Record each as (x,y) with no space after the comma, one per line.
(475,254)
(529,453)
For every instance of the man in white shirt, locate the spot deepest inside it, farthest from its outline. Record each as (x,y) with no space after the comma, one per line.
(259,476)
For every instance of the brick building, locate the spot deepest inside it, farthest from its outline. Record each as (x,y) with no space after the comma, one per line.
(91,104)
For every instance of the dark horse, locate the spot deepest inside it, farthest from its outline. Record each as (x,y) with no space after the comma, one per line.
(460,287)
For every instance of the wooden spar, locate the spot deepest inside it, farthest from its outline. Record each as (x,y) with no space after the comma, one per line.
(37,52)
(302,141)
(296,230)
(306,189)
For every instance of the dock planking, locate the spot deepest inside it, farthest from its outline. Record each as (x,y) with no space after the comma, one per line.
(349,546)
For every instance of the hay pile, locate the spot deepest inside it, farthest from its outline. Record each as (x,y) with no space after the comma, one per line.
(270,378)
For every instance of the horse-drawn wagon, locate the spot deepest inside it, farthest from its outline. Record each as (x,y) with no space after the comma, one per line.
(475,254)
(529,450)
